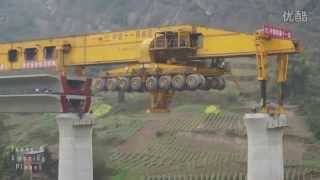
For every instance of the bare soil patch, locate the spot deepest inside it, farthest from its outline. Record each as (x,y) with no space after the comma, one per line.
(141,138)
(212,142)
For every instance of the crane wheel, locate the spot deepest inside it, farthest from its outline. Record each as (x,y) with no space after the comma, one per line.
(100,84)
(193,81)
(178,82)
(136,83)
(124,83)
(204,85)
(112,84)
(214,83)
(151,83)
(222,84)
(165,82)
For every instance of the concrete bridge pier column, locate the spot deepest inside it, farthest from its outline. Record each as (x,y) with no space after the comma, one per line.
(66,140)
(83,148)
(265,146)
(75,146)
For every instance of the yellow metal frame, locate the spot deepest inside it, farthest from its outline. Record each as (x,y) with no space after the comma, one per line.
(133,47)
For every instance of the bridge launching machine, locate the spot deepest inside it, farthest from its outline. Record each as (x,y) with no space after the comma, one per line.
(160,61)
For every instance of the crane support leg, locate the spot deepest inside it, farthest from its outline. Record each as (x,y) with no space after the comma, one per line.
(60,61)
(263,93)
(282,75)
(160,101)
(262,75)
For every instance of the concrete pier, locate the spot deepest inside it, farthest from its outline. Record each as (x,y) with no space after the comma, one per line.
(265,146)
(75,147)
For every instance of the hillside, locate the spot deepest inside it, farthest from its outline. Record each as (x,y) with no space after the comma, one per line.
(130,144)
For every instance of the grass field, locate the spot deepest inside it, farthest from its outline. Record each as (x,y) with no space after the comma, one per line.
(201,147)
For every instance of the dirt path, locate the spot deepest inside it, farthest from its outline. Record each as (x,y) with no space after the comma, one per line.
(213,142)
(141,138)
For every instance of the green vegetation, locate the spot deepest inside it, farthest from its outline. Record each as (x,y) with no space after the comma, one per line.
(2,147)
(100,109)
(212,110)
(190,108)
(124,174)
(4,142)
(303,88)
(26,176)
(32,129)
(175,150)
(167,155)
(169,151)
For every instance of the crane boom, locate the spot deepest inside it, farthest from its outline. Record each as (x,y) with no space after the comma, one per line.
(159,60)
(128,46)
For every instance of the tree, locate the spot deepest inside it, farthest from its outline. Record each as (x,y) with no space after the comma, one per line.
(303,88)
(300,72)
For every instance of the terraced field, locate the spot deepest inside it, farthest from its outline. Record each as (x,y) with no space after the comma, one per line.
(289,175)
(210,147)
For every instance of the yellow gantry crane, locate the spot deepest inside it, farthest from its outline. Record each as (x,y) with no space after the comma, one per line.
(160,60)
